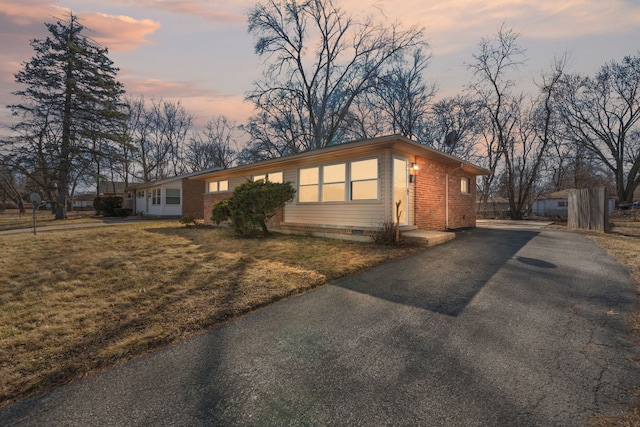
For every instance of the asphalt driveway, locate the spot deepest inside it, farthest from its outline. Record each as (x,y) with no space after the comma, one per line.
(497,327)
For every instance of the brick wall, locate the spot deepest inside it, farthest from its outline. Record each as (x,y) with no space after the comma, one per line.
(209,201)
(430,211)
(192,198)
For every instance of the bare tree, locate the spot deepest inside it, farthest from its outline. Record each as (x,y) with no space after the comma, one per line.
(526,153)
(319,60)
(452,126)
(364,120)
(158,131)
(496,58)
(212,147)
(602,114)
(11,187)
(403,95)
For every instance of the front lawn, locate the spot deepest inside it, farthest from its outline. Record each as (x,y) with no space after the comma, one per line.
(74,302)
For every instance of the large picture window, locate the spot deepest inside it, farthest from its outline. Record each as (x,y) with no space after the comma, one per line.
(308,187)
(364,180)
(172,196)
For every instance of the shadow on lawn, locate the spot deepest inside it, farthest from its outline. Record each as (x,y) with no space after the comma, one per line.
(439,279)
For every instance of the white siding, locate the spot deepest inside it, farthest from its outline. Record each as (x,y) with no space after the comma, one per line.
(144,204)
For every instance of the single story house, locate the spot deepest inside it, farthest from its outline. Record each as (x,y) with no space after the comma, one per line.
(82,202)
(557,204)
(349,190)
(176,196)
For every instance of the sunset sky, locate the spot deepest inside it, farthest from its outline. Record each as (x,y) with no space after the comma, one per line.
(199,51)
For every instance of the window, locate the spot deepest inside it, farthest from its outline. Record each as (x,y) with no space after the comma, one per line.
(364,180)
(562,204)
(308,185)
(333,178)
(218,186)
(155,196)
(276,177)
(172,196)
(141,194)
(464,185)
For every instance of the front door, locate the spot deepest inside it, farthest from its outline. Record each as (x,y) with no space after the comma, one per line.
(400,190)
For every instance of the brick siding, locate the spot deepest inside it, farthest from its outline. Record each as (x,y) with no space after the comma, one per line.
(430,212)
(192,198)
(210,200)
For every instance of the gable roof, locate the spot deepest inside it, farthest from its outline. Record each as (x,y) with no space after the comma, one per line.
(562,194)
(340,151)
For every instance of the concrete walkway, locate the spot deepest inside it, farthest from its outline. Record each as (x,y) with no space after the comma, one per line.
(508,224)
(494,328)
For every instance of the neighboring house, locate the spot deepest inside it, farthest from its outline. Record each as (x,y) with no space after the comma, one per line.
(82,202)
(111,188)
(350,189)
(497,207)
(175,196)
(557,204)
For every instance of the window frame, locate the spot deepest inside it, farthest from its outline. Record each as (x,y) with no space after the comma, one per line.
(156,196)
(364,180)
(465,180)
(324,183)
(310,185)
(167,197)
(217,184)
(267,177)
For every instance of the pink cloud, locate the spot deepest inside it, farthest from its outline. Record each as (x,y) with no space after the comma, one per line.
(452,25)
(202,102)
(200,8)
(168,89)
(119,32)
(115,32)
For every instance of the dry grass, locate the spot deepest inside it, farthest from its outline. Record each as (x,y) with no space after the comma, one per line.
(623,244)
(13,220)
(77,301)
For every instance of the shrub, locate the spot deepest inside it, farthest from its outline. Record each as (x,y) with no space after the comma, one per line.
(385,235)
(107,205)
(220,212)
(252,205)
(188,221)
(122,212)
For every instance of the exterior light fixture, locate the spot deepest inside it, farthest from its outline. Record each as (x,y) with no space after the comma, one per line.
(414,166)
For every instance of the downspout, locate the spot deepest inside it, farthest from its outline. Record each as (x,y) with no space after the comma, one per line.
(446,194)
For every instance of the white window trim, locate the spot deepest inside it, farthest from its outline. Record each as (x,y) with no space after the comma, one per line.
(348,190)
(317,184)
(179,197)
(217,183)
(377,179)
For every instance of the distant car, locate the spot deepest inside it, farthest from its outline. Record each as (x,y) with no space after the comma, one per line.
(627,206)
